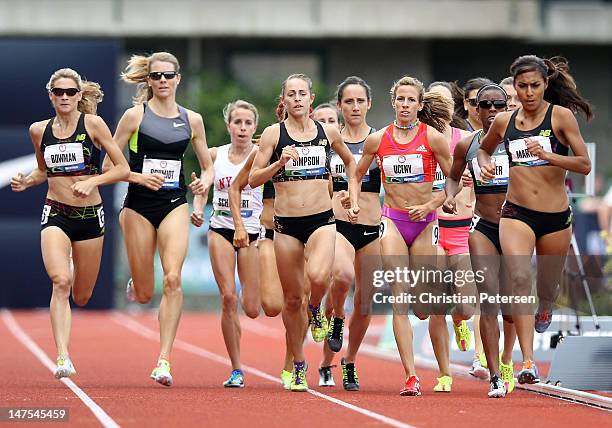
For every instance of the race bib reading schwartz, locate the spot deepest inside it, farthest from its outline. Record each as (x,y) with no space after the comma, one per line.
(502,171)
(311,162)
(338,169)
(221,206)
(403,168)
(521,156)
(170,169)
(65,157)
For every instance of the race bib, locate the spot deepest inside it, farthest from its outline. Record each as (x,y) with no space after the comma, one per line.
(435,234)
(311,162)
(170,169)
(221,206)
(474,222)
(65,157)
(438,183)
(339,171)
(403,168)
(45,214)
(502,171)
(521,157)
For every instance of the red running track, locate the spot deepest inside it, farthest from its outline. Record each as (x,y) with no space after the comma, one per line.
(115,352)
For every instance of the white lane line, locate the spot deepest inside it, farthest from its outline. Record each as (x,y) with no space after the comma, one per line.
(26,341)
(146,332)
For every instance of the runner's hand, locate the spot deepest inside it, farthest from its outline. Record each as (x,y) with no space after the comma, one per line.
(19,183)
(450,205)
(197,218)
(288,152)
(197,186)
(152,181)
(241,238)
(345,200)
(82,189)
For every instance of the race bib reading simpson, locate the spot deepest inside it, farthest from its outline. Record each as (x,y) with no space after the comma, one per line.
(65,157)
(311,162)
(403,168)
(170,169)
(521,156)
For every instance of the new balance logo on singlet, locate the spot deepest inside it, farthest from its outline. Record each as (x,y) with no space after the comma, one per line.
(421,148)
(545,133)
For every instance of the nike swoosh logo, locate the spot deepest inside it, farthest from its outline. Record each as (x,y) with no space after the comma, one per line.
(174,200)
(371,233)
(176,125)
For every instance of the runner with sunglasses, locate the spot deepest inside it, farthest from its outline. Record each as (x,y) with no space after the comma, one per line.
(155,214)
(467,111)
(234,230)
(354,242)
(295,155)
(485,250)
(408,151)
(536,213)
(453,247)
(67,149)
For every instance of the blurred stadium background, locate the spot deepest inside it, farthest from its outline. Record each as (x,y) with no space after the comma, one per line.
(232,49)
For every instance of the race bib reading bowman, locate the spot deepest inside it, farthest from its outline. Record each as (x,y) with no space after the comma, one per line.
(311,162)
(221,206)
(502,171)
(521,157)
(339,171)
(170,169)
(403,168)
(65,157)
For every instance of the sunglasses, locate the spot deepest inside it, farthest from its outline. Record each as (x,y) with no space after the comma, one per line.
(498,104)
(157,75)
(71,92)
(472,102)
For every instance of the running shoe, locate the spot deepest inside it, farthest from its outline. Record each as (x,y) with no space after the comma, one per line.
(325,376)
(529,373)
(445,384)
(286,379)
(507,374)
(542,320)
(236,380)
(350,380)
(412,387)
(161,373)
(478,370)
(64,368)
(335,334)
(497,388)
(298,377)
(483,360)
(318,323)
(130,294)
(463,336)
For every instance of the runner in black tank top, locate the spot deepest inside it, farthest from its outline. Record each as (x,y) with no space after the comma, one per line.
(155,214)
(355,243)
(67,151)
(294,154)
(537,213)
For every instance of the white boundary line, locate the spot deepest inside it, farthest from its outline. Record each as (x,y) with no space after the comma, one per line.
(26,341)
(142,330)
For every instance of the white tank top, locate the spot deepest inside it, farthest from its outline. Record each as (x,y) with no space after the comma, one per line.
(250,199)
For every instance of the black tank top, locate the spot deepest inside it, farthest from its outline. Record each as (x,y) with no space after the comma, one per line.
(313,162)
(72,156)
(158,146)
(515,145)
(369,183)
(500,183)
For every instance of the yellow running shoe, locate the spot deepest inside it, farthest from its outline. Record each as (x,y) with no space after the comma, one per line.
(286,379)
(444,384)
(298,378)
(161,373)
(318,324)
(463,336)
(507,374)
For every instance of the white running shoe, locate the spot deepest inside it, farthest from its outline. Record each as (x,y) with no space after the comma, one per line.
(477,370)
(64,368)
(161,373)
(497,388)
(129,291)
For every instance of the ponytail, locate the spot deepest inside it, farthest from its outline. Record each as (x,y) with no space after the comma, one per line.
(437,111)
(91,95)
